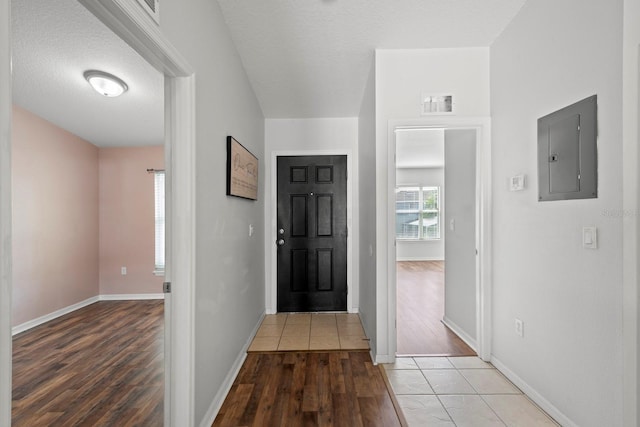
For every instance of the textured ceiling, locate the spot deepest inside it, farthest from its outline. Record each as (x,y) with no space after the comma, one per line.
(311,58)
(54,42)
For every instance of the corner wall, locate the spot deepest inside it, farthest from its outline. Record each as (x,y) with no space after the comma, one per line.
(55,218)
(127,224)
(229,272)
(570,299)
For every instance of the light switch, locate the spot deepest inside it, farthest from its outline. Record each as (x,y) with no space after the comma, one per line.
(516,183)
(250,230)
(590,238)
(452,224)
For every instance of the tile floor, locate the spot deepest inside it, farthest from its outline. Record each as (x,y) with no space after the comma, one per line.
(310,331)
(460,391)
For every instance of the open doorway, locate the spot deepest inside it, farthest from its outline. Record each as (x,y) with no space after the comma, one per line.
(435,227)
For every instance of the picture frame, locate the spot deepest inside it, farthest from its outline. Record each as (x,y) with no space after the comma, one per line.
(242,171)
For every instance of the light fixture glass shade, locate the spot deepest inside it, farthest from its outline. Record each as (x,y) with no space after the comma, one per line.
(105,84)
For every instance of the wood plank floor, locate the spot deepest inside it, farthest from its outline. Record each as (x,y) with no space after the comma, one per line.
(102,365)
(420,309)
(340,388)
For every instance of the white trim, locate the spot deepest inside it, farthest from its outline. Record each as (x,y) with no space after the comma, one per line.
(54,315)
(225,387)
(420,258)
(533,394)
(460,333)
(129,297)
(73,307)
(272,282)
(483,223)
(5,213)
(137,29)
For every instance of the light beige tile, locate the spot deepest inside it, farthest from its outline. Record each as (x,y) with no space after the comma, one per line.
(401,363)
(347,318)
(270,330)
(448,381)
(324,343)
(424,410)
(296,330)
(264,344)
(323,330)
(408,382)
(516,410)
(350,329)
(274,319)
(469,362)
(470,411)
(489,381)
(433,363)
(353,343)
(294,343)
(299,319)
(323,319)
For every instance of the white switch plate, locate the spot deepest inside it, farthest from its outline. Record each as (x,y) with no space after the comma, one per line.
(519,328)
(516,183)
(250,230)
(123,271)
(590,237)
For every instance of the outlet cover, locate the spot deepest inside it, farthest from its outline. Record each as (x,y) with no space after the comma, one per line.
(520,328)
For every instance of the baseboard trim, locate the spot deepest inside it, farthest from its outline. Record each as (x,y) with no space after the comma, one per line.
(420,259)
(129,297)
(51,316)
(224,389)
(73,307)
(533,394)
(460,333)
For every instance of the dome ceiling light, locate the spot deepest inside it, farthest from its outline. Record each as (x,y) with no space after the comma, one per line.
(105,84)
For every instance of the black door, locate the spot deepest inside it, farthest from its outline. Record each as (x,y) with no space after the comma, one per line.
(312,233)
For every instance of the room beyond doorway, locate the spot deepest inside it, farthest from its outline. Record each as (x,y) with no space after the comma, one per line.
(420,300)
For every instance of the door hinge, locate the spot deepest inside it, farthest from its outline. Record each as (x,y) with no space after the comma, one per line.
(166,287)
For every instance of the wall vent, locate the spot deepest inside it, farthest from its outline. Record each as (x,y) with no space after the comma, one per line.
(152,7)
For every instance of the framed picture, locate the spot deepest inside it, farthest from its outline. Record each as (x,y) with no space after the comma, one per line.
(242,171)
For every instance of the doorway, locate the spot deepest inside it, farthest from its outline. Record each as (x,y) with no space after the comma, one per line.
(435,238)
(312,233)
(466,311)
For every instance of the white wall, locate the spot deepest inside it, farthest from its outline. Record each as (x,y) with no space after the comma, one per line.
(631,197)
(229,294)
(570,299)
(311,136)
(422,250)
(401,77)
(367,206)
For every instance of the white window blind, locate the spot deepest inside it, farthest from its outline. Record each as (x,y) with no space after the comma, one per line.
(418,213)
(160,221)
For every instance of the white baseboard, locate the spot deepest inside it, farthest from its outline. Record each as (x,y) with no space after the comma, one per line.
(420,259)
(129,297)
(66,310)
(460,333)
(48,317)
(533,394)
(218,400)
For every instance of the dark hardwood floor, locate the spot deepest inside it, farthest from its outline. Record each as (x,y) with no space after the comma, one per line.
(340,388)
(102,365)
(420,309)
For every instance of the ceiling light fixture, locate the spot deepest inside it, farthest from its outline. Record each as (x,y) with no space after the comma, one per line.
(105,84)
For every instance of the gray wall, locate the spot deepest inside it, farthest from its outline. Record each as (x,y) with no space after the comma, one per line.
(460,244)
(229,295)
(570,298)
(367,201)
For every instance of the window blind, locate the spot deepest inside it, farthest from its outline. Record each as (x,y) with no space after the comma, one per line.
(159,221)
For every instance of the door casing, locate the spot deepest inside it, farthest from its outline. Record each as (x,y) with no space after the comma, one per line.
(271,297)
(483,226)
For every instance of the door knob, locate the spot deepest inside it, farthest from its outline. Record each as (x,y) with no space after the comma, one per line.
(280,242)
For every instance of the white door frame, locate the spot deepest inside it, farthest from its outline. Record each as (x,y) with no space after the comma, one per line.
(483,222)
(130,22)
(272,289)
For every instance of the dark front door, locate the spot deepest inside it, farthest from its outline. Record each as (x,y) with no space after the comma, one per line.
(312,233)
